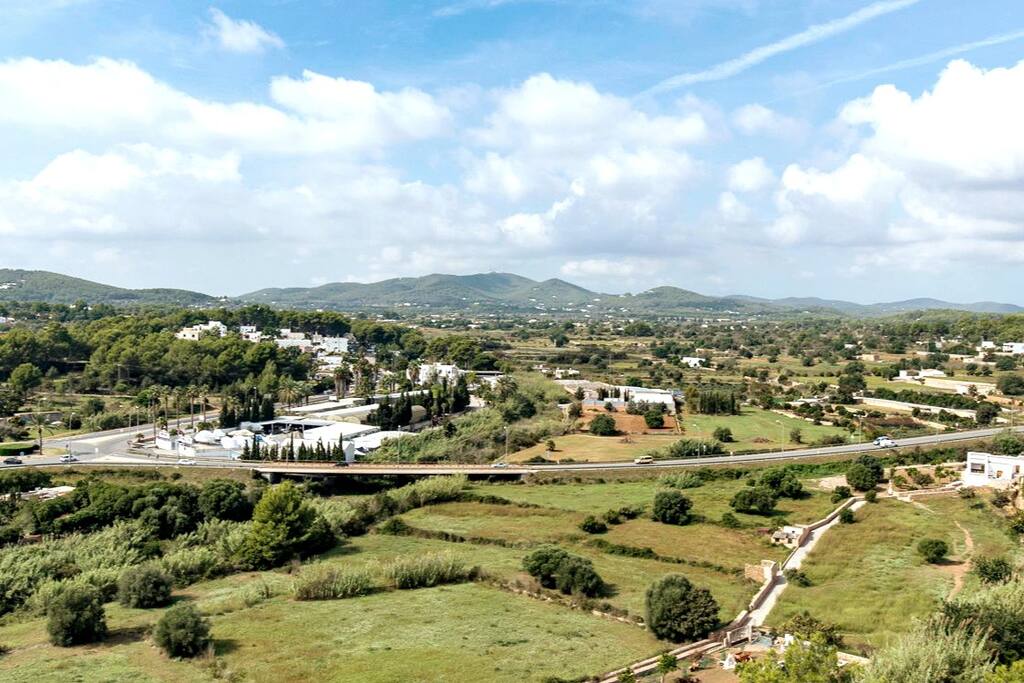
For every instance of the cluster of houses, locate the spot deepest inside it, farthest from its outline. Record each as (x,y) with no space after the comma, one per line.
(286,338)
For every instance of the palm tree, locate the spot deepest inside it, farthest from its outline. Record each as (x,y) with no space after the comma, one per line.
(37,421)
(191,393)
(204,397)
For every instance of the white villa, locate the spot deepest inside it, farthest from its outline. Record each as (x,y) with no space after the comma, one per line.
(997,471)
(1014,348)
(431,371)
(195,331)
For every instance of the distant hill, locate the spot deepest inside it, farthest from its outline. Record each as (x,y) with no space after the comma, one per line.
(469,293)
(40,285)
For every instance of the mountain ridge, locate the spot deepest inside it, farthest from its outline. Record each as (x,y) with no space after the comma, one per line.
(469,293)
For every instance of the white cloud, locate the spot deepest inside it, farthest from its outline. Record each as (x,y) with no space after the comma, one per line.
(731,209)
(939,176)
(609,270)
(118,100)
(754,119)
(809,36)
(750,175)
(239,35)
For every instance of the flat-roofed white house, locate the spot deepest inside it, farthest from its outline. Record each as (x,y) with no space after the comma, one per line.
(997,471)
(437,371)
(1015,348)
(195,331)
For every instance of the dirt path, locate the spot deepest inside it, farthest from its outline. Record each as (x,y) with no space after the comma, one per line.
(960,569)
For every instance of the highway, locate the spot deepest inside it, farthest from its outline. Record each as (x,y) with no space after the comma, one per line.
(111,448)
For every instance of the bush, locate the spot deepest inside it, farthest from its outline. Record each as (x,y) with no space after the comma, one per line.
(423,571)
(603,425)
(687,480)
(846,516)
(543,564)
(182,631)
(723,434)
(730,521)
(679,611)
(654,419)
(993,569)
(143,587)
(331,583)
(225,499)
(861,477)
(932,550)
(797,578)
(671,507)
(576,575)
(76,616)
(840,493)
(592,525)
(758,500)
(871,496)
(783,483)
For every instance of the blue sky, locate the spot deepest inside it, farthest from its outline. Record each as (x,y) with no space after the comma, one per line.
(863,150)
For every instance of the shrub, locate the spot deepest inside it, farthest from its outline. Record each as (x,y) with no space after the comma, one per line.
(731,521)
(331,583)
(840,493)
(754,499)
(225,499)
(543,564)
(783,483)
(996,614)
(576,575)
(1000,498)
(76,616)
(423,571)
(932,550)
(861,478)
(797,578)
(687,480)
(671,507)
(679,611)
(654,419)
(592,525)
(846,516)
(188,565)
(144,586)
(723,434)
(692,448)
(603,425)
(804,626)
(182,631)
(993,569)
(871,496)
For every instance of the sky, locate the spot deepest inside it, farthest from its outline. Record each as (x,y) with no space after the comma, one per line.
(870,151)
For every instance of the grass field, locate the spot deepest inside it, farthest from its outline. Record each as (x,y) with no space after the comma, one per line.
(868,578)
(757,429)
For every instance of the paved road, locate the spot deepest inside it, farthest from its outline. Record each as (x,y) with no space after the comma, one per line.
(111,447)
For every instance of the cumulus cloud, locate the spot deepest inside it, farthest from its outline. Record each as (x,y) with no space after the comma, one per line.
(939,175)
(116,99)
(239,35)
(756,119)
(750,175)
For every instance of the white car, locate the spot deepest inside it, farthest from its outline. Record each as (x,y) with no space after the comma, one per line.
(499,464)
(186,461)
(885,442)
(68,458)
(643,460)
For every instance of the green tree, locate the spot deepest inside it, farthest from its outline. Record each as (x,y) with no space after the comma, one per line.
(671,507)
(861,477)
(543,564)
(224,499)
(76,616)
(25,378)
(754,499)
(603,425)
(284,526)
(1011,385)
(813,662)
(654,419)
(723,434)
(144,586)
(182,631)
(666,665)
(679,611)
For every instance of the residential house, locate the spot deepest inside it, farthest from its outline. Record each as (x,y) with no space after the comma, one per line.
(1015,348)
(997,471)
(429,372)
(193,332)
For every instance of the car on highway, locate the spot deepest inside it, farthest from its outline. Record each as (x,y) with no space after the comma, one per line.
(68,458)
(186,461)
(12,461)
(499,464)
(643,460)
(341,463)
(885,442)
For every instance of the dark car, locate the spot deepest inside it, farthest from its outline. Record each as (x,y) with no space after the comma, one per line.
(12,461)
(341,463)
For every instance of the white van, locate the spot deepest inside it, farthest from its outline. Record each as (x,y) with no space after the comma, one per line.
(643,460)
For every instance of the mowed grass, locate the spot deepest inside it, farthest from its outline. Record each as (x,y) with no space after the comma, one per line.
(710,500)
(504,522)
(587,448)
(868,578)
(757,429)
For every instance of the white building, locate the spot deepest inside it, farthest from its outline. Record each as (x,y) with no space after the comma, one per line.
(997,471)
(195,331)
(331,345)
(987,345)
(1016,348)
(429,372)
(652,396)
(692,361)
(911,375)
